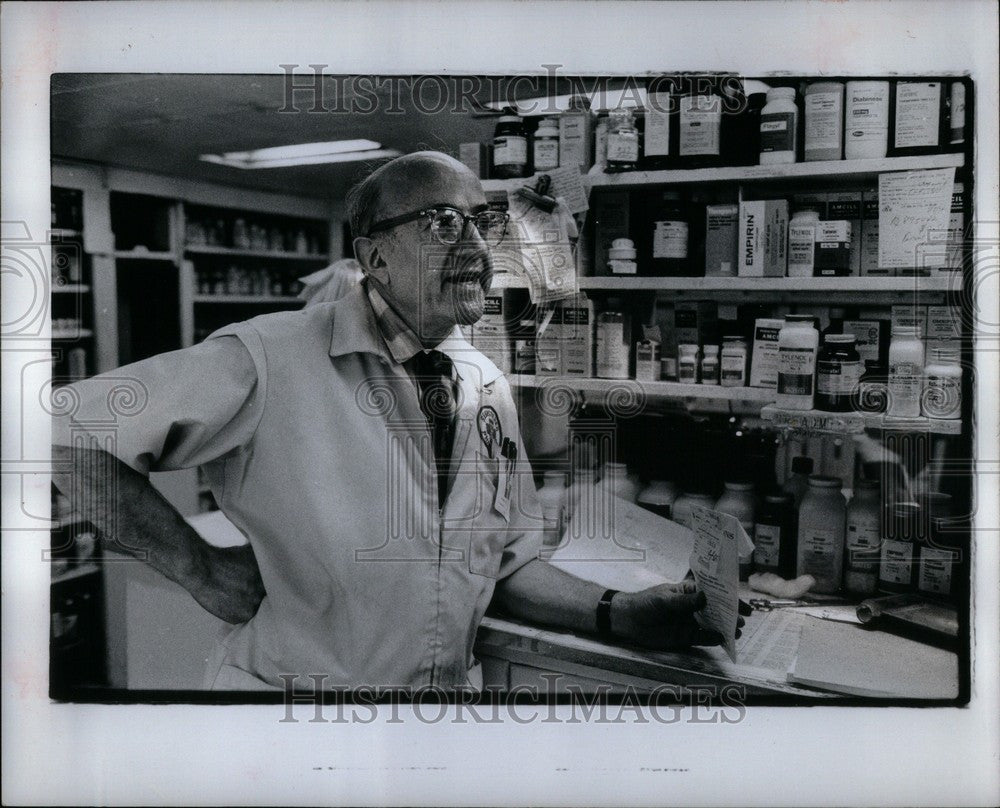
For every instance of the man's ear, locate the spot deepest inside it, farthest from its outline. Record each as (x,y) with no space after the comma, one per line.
(370,257)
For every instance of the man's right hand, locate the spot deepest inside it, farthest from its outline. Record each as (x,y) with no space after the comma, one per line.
(229,585)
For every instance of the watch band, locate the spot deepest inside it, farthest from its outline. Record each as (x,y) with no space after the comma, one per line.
(604,614)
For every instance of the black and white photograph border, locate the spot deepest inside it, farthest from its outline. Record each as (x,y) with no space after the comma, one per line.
(707,743)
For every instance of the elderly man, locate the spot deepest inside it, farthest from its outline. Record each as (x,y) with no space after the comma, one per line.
(371,456)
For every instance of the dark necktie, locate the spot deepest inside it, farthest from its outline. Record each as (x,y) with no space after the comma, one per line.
(432,372)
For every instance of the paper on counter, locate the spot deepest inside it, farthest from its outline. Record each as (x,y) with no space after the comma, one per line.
(913,216)
(715,564)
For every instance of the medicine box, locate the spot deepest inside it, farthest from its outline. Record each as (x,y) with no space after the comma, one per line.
(722,224)
(909,317)
(869,234)
(763,238)
(871,338)
(943,323)
(576,140)
(847,206)
(577,337)
(833,249)
(611,221)
(490,336)
(764,359)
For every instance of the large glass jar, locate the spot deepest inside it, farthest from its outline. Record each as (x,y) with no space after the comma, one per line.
(822,517)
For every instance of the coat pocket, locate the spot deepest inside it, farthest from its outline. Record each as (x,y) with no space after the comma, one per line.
(488,530)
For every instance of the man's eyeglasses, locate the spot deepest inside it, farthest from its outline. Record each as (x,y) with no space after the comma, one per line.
(448,224)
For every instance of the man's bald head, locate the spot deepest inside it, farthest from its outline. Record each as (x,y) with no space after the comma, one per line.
(404,184)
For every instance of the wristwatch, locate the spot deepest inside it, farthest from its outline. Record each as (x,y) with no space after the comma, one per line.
(604,614)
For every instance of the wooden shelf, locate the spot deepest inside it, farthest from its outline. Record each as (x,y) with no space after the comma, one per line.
(254,299)
(77,572)
(649,389)
(144,255)
(70,288)
(206,249)
(854,169)
(855,422)
(79,333)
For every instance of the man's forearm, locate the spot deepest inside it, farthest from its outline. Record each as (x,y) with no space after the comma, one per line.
(542,593)
(134,518)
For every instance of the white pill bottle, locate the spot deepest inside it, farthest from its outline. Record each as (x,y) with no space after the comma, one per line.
(798,344)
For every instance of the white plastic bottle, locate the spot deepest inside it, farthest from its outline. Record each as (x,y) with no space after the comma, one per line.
(824,120)
(546,145)
(618,482)
(779,122)
(822,517)
(866,120)
(798,344)
(942,393)
(802,243)
(906,372)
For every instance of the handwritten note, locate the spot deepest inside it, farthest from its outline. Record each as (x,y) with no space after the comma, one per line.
(914,208)
(715,564)
(567,182)
(538,249)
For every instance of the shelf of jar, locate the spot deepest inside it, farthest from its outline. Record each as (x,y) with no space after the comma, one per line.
(69,288)
(277,300)
(943,282)
(76,333)
(858,169)
(856,422)
(642,389)
(144,255)
(210,249)
(77,572)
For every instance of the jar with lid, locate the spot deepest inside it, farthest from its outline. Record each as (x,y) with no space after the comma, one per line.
(775,538)
(744,133)
(621,257)
(510,148)
(658,497)
(798,344)
(545,147)
(779,121)
(861,545)
(866,120)
(838,372)
(873,389)
(919,118)
(901,529)
(623,141)
(669,234)
(738,500)
(710,365)
(613,345)
(802,243)
(798,482)
(824,120)
(942,393)
(733,362)
(906,372)
(552,498)
(617,481)
(683,510)
(687,363)
(822,517)
(699,126)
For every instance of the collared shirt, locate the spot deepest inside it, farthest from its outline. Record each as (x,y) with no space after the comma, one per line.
(315,447)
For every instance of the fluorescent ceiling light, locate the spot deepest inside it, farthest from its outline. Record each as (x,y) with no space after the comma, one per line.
(302,154)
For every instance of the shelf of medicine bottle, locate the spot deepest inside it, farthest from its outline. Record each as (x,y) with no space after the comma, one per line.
(207,249)
(857,169)
(76,333)
(282,300)
(144,255)
(70,288)
(852,284)
(641,389)
(855,422)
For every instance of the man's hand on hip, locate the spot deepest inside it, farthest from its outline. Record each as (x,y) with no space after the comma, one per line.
(229,583)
